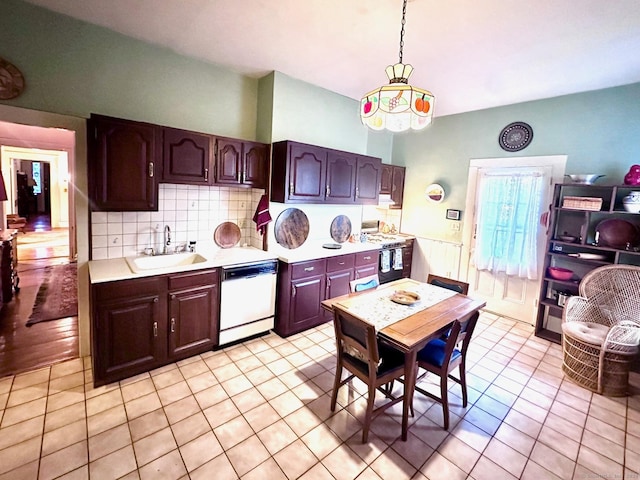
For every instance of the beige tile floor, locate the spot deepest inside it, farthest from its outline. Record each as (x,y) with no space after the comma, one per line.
(260,410)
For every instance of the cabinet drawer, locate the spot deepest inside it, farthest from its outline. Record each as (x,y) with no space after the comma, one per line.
(307,269)
(193,279)
(342,262)
(128,288)
(367,258)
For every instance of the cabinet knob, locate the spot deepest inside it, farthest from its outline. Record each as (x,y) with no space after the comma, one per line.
(327,190)
(206,174)
(309,269)
(367,258)
(293,290)
(173,297)
(156,300)
(150,169)
(291,189)
(173,325)
(155,329)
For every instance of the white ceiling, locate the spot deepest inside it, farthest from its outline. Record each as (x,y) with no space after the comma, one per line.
(472,54)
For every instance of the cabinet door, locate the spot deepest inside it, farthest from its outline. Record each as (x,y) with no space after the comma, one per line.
(337,284)
(397,187)
(305,309)
(386,175)
(122,167)
(407,258)
(307,167)
(128,334)
(341,177)
(255,171)
(228,161)
(368,180)
(193,321)
(186,157)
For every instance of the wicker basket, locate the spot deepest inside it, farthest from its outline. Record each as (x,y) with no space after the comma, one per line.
(582,203)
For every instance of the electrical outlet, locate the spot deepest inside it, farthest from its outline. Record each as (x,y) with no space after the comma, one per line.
(243,223)
(455,226)
(242,205)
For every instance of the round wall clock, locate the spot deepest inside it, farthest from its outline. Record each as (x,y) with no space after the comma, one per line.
(515,136)
(11,80)
(434,193)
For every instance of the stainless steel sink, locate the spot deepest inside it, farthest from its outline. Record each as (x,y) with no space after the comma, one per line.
(138,264)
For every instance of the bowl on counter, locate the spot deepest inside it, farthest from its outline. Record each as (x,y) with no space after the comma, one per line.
(560,273)
(584,178)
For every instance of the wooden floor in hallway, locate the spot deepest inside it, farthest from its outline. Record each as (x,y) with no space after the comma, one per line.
(24,348)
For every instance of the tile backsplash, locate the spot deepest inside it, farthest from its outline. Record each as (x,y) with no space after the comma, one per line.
(191,212)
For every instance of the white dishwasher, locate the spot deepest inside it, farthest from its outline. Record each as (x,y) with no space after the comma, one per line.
(247,300)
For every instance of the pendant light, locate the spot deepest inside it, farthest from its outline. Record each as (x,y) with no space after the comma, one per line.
(397,107)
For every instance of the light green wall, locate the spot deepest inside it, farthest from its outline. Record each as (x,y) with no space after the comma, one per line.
(310,114)
(599,131)
(265,109)
(76,69)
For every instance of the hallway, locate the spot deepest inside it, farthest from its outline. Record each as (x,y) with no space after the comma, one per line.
(24,348)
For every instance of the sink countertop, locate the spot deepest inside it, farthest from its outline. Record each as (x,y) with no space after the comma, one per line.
(118,269)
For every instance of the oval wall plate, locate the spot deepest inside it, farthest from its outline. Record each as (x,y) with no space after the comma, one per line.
(11,80)
(515,136)
(434,193)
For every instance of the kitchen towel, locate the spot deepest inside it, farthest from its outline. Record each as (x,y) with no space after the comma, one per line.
(385,261)
(397,259)
(262,216)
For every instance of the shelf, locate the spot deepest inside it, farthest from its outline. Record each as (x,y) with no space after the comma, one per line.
(547,302)
(570,283)
(549,335)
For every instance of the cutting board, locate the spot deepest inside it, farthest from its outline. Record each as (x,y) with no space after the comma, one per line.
(227,235)
(291,228)
(340,228)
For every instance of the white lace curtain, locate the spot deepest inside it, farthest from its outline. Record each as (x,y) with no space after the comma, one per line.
(509,205)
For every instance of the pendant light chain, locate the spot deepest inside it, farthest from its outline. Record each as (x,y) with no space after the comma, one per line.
(404,11)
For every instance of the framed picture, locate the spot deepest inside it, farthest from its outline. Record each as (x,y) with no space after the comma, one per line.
(453,214)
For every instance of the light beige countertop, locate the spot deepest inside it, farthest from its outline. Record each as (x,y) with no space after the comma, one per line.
(118,268)
(314,250)
(211,257)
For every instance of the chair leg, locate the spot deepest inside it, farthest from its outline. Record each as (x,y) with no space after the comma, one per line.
(445,400)
(367,417)
(336,386)
(463,383)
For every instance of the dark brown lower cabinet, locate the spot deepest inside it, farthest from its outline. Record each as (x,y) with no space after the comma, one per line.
(193,314)
(303,285)
(139,324)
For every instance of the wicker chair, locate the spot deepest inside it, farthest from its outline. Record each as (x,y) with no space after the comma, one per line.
(601,329)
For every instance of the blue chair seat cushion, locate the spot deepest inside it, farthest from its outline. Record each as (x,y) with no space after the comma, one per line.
(433,353)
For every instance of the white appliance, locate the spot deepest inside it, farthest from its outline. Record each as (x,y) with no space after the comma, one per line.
(247,300)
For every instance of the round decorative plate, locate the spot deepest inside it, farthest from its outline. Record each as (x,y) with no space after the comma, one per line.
(515,136)
(434,193)
(11,81)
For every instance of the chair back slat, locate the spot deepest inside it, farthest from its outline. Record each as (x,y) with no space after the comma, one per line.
(448,283)
(356,333)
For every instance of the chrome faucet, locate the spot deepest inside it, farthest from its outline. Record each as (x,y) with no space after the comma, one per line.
(167,239)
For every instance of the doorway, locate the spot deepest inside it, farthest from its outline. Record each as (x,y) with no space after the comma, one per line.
(508,293)
(37,186)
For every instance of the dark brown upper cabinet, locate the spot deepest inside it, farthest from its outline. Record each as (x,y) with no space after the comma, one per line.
(228,161)
(123,167)
(241,163)
(187,157)
(367,180)
(255,171)
(304,173)
(392,183)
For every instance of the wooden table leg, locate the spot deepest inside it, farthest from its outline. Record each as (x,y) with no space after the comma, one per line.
(410,359)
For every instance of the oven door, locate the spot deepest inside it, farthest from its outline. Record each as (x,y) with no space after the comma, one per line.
(391,274)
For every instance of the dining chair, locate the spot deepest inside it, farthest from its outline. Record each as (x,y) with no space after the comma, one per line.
(449,283)
(442,356)
(362,354)
(364,283)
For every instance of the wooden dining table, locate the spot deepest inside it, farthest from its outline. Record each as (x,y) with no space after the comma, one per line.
(408,327)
